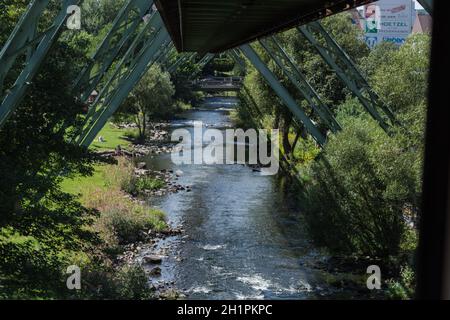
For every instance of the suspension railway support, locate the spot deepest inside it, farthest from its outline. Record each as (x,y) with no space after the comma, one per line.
(153,41)
(296,77)
(27,42)
(124,28)
(282,93)
(346,70)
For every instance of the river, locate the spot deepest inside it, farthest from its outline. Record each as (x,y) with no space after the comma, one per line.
(243,236)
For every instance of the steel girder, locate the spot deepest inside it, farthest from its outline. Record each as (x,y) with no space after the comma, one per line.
(184,57)
(202,63)
(121,69)
(124,28)
(150,44)
(237,58)
(27,39)
(427,5)
(254,112)
(296,77)
(282,93)
(346,70)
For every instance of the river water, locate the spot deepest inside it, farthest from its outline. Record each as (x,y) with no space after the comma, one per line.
(243,236)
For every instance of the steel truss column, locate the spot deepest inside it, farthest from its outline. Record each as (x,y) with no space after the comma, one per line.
(123,67)
(296,77)
(124,27)
(346,70)
(202,63)
(25,38)
(235,55)
(130,70)
(282,93)
(184,58)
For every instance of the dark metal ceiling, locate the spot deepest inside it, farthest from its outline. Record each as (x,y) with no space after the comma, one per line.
(218,25)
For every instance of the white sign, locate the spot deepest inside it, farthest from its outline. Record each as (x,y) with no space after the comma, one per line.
(388,20)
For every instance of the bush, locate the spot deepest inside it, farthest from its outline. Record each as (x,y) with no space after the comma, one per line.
(100,281)
(148,183)
(361,188)
(122,175)
(122,220)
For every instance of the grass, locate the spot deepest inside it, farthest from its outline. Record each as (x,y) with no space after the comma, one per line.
(113,137)
(82,185)
(121,219)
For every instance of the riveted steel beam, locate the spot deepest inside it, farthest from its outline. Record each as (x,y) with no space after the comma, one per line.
(27,39)
(346,70)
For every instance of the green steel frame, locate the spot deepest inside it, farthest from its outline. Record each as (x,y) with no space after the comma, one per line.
(202,63)
(27,40)
(346,70)
(282,93)
(154,41)
(124,28)
(296,77)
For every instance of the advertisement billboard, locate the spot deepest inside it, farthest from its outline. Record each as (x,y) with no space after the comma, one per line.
(388,20)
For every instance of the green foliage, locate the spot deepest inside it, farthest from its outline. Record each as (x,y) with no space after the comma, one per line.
(151,98)
(98,13)
(125,283)
(367,184)
(149,183)
(219,66)
(401,78)
(402,289)
(43,229)
(360,187)
(122,220)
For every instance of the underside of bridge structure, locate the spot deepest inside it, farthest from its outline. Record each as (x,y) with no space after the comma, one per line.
(215,26)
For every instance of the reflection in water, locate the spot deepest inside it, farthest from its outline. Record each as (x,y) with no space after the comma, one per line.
(243,238)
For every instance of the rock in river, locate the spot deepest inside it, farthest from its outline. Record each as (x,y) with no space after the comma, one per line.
(155,259)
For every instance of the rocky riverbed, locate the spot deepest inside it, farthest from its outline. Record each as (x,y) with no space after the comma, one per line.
(157,248)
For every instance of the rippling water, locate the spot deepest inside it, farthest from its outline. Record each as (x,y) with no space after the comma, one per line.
(243,236)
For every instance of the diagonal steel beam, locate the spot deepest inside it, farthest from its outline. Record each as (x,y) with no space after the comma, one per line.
(202,63)
(282,93)
(26,37)
(141,42)
(346,70)
(296,77)
(427,5)
(126,84)
(124,28)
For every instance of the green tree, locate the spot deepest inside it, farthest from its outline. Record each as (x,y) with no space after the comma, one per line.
(40,225)
(365,191)
(152,98)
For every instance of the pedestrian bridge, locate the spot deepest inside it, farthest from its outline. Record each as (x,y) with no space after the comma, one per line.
(217,84)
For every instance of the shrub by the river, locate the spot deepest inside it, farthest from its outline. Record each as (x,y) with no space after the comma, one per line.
(121,219)
(122,175)
(363,186)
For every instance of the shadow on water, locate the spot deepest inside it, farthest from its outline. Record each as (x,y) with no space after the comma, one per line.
(243,236)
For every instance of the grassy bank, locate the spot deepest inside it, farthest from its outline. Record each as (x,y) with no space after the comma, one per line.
(112,137)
